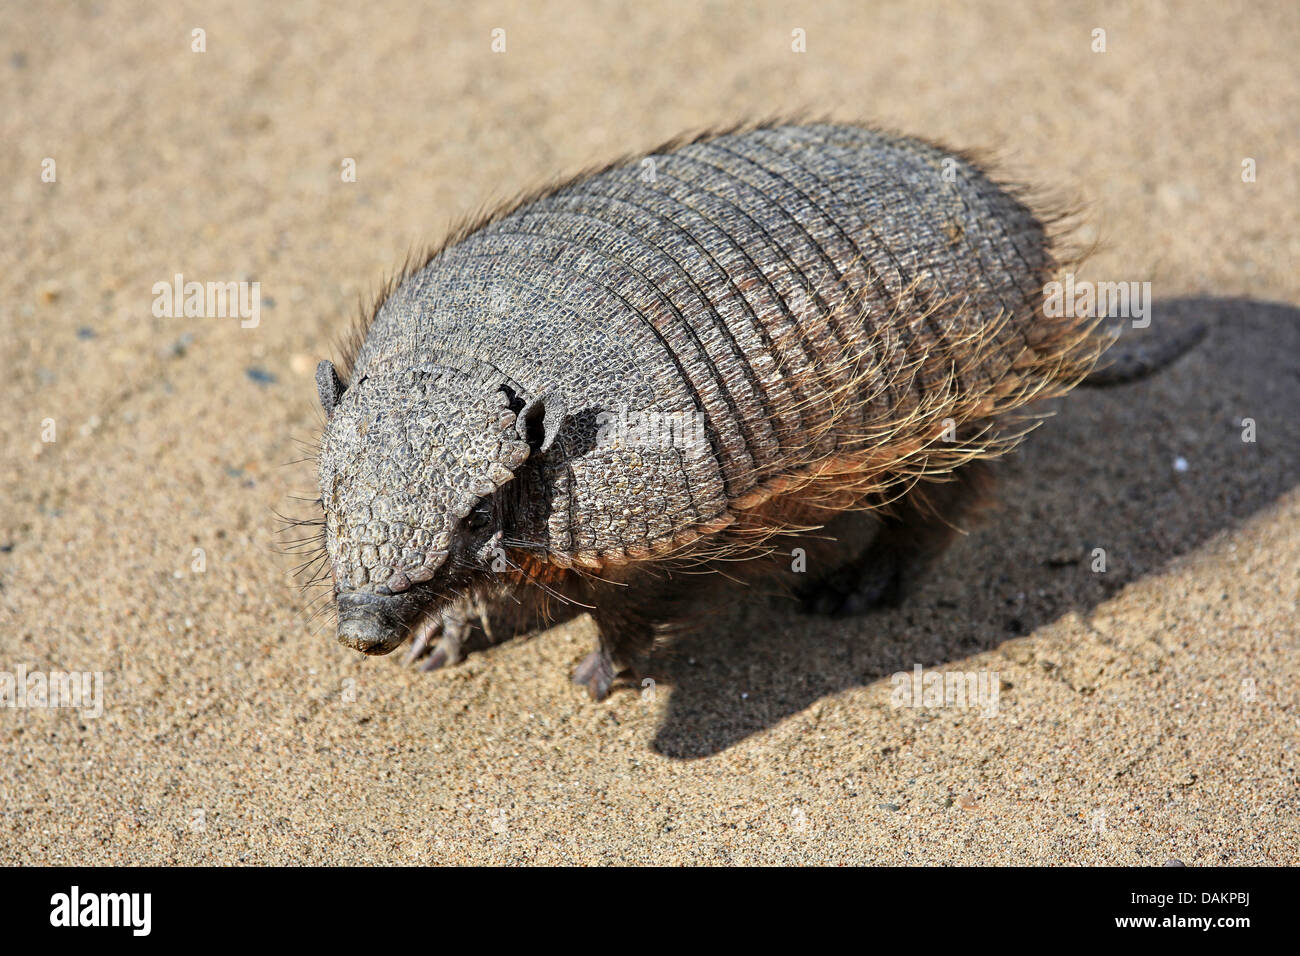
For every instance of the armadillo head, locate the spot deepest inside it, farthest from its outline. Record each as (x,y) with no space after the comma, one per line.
(410,466)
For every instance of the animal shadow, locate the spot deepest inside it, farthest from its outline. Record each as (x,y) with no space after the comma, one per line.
(1145,471)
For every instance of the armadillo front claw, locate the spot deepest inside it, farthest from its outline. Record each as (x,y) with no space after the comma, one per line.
(450,636)
(440,640)
(437,659)
(420,643)
(451,646)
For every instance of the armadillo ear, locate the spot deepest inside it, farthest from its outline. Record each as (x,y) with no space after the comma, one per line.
(329,386)
(539,421)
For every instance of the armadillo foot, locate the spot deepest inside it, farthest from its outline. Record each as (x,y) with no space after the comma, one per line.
(923,524)
(873,581)
(445,639)
(596,673)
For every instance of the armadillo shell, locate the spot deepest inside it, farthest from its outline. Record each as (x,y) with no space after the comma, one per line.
(817,310)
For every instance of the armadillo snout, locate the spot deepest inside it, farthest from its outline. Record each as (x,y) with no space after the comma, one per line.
(372,623)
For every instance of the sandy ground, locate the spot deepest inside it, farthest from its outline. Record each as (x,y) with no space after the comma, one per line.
(1147,712)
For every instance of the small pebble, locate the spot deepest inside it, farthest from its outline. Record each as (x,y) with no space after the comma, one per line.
(177,348)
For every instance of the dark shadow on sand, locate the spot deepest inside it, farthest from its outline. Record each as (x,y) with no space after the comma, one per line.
(1101,473)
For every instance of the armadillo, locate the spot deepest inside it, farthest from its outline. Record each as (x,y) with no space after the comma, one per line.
(679,364)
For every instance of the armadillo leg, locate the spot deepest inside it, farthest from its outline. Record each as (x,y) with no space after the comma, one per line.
(871,579)
(449,637)
(627,633)
(629,619)
(596,673)
(473,625)
(923,523)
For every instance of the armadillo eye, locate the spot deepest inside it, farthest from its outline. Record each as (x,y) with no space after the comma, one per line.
(478,520)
